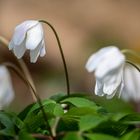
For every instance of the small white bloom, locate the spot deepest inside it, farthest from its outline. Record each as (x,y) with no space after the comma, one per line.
(108,64)
(28,36)
(6,89)
(131,89)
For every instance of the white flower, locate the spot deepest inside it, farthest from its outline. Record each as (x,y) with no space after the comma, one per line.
(28,36)
(131,89)
(108,64)
(6,89)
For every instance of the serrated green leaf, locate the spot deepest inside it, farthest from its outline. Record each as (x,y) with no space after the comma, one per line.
(81,111)
(110,105)
(79,102)
(54,109)
(96,136)
(133,135)
(70,120)
(9,122)
(131,119)
(118,116)
(58,110)
(25,111)
(112,128)
(33,122)
(73,136)
(90,121)
(67,124)
(37,106)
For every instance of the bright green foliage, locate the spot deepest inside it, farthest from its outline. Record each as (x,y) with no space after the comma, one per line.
(99,136)
(80,119)
(25,136)
(133,135)
(73,136)
(79,102)
(88,122)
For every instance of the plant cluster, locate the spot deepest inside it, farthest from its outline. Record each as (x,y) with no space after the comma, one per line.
(71,116)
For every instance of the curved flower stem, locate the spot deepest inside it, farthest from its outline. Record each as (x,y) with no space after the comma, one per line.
(23,66)
(62,54)
(127,51)
(17,70)
(134,65)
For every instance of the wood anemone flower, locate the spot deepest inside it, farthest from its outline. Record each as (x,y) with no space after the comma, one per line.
(108,64)
(28,35)
(6,89)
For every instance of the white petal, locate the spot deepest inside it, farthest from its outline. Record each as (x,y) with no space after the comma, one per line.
(34,37)
(112,61)
(20,50)
(21,29)
(111,95)
(99,88)
(34,54)
(96,58)
(121,88)
(118,90)
(112,82)
(43,49)
(132,84)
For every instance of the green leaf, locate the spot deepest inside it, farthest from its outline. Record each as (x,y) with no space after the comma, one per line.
(81,111)
(33,122)
(131,119)
(24,113)
(25,136)
(96,136)
(73,136)
(9,123)
(67,124)
(90,121)
(54,109)
(118,116)
(110,105)
(69,121)
(133,135)
(58,97)
(37,106)
(79,102)
(112,128)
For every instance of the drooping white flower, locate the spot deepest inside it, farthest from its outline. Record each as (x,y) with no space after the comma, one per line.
(131,89)
(108,64)
(28,35)
(6,89)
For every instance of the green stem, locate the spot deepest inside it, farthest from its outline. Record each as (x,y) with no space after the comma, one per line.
(134,65)
(17,70)
(62,54)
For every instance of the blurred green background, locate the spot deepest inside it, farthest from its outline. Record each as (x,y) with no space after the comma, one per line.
(83,27)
